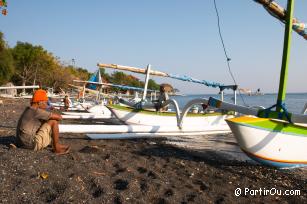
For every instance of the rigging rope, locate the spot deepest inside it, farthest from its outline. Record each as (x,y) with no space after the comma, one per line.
(225,52)
(125,87)
(190,79)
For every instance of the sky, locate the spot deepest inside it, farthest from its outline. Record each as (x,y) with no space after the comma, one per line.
(174,36)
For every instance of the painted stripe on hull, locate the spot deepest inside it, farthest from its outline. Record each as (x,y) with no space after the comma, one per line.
(208,122)
(271,125)
(278,164)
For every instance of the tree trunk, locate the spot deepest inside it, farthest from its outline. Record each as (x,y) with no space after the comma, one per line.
(23,84)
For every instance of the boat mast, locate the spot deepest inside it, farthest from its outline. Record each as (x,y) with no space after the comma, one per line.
(286,53)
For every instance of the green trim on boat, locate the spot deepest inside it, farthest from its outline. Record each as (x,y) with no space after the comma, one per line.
(278,126)
(125,108)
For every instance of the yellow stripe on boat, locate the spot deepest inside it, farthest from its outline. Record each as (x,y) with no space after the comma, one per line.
(270,125)
(247,119)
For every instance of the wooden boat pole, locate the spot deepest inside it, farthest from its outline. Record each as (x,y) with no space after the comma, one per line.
(146,81)
(273,7)
(222,95)
(106,84)
(81,88)
(286,54)
(83,92)
(132,69)
(281,14)
(20,87)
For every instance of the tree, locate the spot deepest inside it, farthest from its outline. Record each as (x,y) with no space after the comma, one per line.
(80,73)
(6,61)
(29,60)
(118,78)
(153,85)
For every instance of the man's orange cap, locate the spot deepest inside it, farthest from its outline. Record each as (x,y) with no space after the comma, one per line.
(39,95)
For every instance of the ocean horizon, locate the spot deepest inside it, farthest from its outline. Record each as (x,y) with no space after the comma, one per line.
(295,102)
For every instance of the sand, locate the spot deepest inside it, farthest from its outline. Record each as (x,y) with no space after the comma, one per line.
(132,171)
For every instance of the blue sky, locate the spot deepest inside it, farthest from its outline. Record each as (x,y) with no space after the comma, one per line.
(174,36)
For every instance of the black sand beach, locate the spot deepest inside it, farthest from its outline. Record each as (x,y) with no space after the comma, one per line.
(132,171)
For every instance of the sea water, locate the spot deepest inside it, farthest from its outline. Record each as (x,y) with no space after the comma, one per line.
(295,102)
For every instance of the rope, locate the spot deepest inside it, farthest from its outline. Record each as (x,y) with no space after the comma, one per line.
(130,87)
(281,114)
(190,79)
(228,59)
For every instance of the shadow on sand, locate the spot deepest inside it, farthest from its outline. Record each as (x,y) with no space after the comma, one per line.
(7,140)
(210,157)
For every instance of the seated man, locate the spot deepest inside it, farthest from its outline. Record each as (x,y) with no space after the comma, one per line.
(162,98)
(67,103)
(38,128)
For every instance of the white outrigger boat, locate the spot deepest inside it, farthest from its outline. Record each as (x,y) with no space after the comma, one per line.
(143,113)
(276,138)
(130,114)
(140,119)
(208,122)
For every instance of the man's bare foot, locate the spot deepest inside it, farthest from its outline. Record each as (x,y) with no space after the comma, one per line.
(62,146)
(62,149)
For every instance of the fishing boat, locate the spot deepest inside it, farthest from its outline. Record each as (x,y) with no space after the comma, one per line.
(158,123)
(143,113)
(271,142)
(94,110)
(277,137)
(132,116)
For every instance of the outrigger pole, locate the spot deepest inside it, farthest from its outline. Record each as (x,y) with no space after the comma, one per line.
(280,13)
(149,71)
(20,87)
(162,74)
(114,85)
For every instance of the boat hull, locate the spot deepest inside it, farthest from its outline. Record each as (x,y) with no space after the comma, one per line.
(271,142)
(206,123)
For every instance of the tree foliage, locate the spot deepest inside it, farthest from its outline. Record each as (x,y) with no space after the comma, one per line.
(6,61)
(153,85)
(36,65)
(121,78)
(27,64)
(80,73)
(29,61)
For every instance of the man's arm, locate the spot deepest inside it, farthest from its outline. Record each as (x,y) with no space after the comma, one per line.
(55,116)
